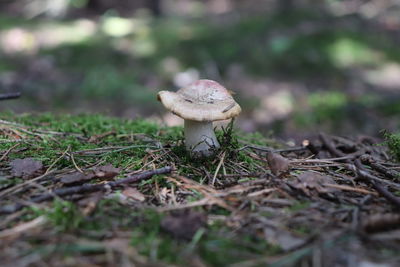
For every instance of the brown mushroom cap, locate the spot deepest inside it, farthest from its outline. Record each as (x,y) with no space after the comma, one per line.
(203,100)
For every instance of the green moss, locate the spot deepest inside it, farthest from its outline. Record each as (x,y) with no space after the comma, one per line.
(85,124)
(258,138)
(48,136)
(72,133)
(299,205)
(63,215)
(393,142)
(7,182)
(214,245)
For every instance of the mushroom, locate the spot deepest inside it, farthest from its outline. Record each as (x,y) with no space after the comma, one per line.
(199,104)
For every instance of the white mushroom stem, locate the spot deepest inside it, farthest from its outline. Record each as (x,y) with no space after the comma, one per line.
(200,138)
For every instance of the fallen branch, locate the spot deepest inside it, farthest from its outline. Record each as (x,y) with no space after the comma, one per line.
(362,172)
(86,188)
(10,96)
(349,188)
(381,222)
(332,149)
(267,149)
(357,167)
(366,159)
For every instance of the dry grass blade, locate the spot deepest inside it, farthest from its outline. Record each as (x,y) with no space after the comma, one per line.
(349,188)
(22,228)
(21,185)
(221,161)
(8,151)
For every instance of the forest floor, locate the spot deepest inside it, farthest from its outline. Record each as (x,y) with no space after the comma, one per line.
(89,190)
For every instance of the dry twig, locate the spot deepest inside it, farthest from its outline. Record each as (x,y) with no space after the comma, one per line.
(10,96)
(362,173)
(87,188)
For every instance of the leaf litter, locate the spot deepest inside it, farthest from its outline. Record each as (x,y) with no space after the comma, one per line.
(277,164)
(311,182)
(26,168)
(183,224)
(331,201)
(104,172)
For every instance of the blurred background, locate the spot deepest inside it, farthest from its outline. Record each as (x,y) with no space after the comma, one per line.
(297,66)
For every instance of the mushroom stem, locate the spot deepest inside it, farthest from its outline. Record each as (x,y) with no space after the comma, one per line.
(200,138)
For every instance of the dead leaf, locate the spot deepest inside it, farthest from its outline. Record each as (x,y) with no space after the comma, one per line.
(310,182)
(95,139)
(106,172)
(134,194)
(183,224)
(26,168)
(76,178)
(278,165)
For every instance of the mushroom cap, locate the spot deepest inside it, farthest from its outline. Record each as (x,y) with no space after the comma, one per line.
(203,100)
